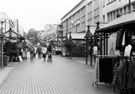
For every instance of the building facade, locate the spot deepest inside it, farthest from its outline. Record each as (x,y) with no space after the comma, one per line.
(113,9)
(75,22)
(86,12)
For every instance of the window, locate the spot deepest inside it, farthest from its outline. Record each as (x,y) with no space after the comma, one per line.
(103,3)
(90,15)
(103,18)
(78,28)
(83,26)
(90,21)
(96,18)
(125,10)
(133,6)
(120,10)
(108,17)
(90,7)
(113,15)
(110,1)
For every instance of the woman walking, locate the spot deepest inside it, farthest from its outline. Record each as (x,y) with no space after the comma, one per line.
(49,52)
(44,51)
(31,49)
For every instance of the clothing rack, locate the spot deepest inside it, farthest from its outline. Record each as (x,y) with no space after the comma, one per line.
(97,69)
(124,87)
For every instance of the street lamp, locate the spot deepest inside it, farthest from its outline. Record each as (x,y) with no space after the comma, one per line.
(87,36)
(61,37)
(66,42)
(1,43)
(70,42)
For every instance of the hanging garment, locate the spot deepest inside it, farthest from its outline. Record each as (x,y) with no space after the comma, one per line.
(127,37)
(123,40)
(132,38)
(105,70)
(7,48)
(119,39)
(127,51)
(131,75)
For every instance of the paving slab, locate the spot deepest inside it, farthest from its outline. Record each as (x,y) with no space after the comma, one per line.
(62,76)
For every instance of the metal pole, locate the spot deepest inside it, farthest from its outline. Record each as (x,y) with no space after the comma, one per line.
(70,41)
(91,51)
(86,23)
(86,51)
(2,45)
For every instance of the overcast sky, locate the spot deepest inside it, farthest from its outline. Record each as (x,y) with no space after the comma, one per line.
(36,13)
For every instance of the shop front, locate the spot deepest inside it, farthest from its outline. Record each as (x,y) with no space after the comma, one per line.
(115,61)
(3,58)
(11,45)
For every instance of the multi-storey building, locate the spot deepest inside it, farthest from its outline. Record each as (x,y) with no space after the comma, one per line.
(117,39)
(115,13)
(112,9)
(86,12)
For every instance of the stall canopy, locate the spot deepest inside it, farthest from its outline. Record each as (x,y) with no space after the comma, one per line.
(80,36)
(122,20)
(12,35)
(77,35)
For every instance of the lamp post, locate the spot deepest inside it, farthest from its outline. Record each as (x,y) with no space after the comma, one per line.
(2,43)
(66,41)
(70,42)
(61,38)
(87,36)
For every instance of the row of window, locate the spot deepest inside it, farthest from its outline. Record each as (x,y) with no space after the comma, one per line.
(116,13)
(80,15)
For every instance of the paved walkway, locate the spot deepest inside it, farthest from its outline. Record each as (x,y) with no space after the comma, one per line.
(62,76)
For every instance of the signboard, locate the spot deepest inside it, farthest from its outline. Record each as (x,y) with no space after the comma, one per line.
(13,24)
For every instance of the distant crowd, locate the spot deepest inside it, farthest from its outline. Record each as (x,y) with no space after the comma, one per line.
(41,50)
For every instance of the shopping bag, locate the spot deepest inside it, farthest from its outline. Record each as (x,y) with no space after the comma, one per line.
(20,59)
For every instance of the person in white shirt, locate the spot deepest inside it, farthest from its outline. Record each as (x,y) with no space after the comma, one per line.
(44,52)
(35,50)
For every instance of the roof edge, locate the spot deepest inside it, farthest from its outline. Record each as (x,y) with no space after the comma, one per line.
(72,9)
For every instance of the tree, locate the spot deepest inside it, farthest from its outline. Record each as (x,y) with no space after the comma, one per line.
(32,36)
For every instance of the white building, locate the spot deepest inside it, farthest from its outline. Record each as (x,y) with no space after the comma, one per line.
(50,31)
(86,12)
(3,16)
(117,13)
(112,9)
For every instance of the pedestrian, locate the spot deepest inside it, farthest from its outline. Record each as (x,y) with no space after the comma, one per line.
(31,49)
(35,50)
(44,51)
(39,51)
(49,53)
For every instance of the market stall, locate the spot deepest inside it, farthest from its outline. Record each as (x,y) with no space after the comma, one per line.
(12,44)
(3,58)
(115,62)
